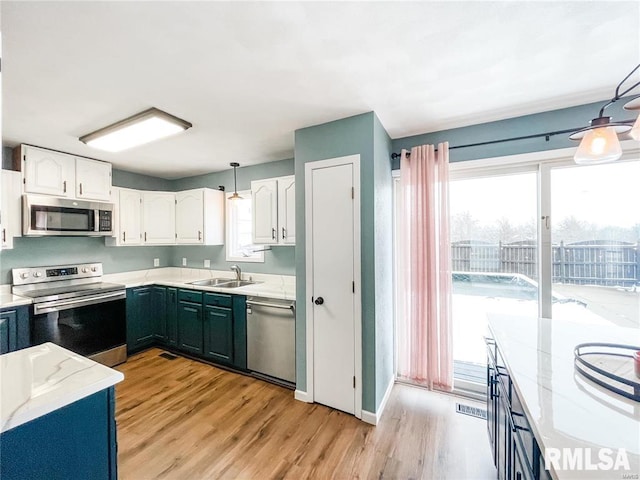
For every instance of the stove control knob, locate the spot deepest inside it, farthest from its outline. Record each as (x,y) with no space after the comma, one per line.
(24,275)
(94,269)
(85,269)
(37,274)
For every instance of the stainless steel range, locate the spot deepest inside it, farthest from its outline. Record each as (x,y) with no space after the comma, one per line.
(75,309)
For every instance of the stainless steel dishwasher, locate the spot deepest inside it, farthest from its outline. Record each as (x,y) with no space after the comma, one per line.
(271,338)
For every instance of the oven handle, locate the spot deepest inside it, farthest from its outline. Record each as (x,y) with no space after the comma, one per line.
(58,305)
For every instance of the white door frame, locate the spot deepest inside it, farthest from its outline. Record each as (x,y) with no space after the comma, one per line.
(357,311)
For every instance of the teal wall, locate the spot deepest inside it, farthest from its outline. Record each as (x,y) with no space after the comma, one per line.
(383,261)
(278,260)
(353,135)
(563,119)
(29,252)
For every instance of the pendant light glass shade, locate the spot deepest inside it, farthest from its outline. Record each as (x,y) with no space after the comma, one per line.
(634,105)
(599,145)
(635,130)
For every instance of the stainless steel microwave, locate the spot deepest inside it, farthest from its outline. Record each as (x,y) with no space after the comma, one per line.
(42,215)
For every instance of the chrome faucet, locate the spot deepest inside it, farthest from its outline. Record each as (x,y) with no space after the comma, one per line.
(236,268)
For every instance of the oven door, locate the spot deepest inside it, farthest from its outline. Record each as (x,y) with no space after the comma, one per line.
(93,325)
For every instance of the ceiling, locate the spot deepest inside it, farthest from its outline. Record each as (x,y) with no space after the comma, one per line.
(247,75)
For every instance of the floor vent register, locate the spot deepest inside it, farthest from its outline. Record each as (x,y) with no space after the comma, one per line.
(473,411)
(168,356)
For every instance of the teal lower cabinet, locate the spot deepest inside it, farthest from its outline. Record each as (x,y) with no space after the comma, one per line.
(140,319)
(218,334)
(172,316)
(77,441)
(190,322)
(208,325)
(159,313)
(14,329)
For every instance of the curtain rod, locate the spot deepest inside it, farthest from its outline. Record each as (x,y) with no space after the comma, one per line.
(547,136)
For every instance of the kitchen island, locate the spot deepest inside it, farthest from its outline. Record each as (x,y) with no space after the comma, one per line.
(540,407)
(57,415)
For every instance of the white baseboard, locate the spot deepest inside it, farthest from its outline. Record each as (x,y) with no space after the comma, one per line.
(374,418)
(302,396)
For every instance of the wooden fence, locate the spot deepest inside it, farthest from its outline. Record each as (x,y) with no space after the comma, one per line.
(593,262)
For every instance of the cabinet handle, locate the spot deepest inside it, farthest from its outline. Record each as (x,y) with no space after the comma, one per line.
(124,236)
(4,235)
(273,233)
(64,187)
(283,234)
(145,236)
(199,235)
(81,189)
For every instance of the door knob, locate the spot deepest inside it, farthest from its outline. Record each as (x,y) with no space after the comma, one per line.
(319,301)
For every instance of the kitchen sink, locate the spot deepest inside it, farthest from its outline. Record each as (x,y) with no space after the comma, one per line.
(222,283)
(212,282)
(237,283)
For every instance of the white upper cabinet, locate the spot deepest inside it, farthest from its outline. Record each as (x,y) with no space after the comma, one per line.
(93,179)
(62,175)
(273,211)
(47,172)
(127,218)
(200,217)
(159,218)
(264,208)
(287,209)
(10,208)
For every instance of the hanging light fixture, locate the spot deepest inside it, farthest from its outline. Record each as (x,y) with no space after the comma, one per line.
(599,141)
(634,105)
(235,195)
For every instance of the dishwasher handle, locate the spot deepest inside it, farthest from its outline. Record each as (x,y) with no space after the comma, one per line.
(272,305)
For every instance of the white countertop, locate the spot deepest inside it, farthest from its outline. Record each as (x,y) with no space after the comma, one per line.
(8,300)
(38,380)
(282,287)
(565,409)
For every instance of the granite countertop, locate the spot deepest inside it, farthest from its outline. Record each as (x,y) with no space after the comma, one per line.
(36,381)
(565,409)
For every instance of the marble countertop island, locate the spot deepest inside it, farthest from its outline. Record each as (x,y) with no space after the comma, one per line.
(567,411)
(38,380)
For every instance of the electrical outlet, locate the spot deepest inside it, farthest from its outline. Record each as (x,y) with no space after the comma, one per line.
(184,262)
(156,262)
(207,264)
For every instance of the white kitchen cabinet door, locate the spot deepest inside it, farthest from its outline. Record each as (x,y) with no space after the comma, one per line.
(129,217)
(190,216)
(287,210)
(10,208)
(93,179)
(159,218)
(47,172)
(264,208)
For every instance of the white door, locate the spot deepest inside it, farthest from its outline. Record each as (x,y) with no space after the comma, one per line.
(159,217)
(264,198)
(93,179)
(333,270)
(287,210)
(11,206)
(190,216)
(130,214)
(47,172)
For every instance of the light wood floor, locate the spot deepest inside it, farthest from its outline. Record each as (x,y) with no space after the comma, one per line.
(182,419)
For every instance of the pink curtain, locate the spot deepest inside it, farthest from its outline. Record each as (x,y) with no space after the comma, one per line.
(424,269)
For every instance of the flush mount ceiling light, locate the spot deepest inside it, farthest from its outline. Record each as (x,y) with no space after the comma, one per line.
(235,195)
(138,129)
(599,141)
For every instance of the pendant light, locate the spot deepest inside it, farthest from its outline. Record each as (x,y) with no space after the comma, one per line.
(235,195)
(599,141)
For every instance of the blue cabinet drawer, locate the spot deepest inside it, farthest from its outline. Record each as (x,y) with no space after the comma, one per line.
(217,300)
(190,296)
